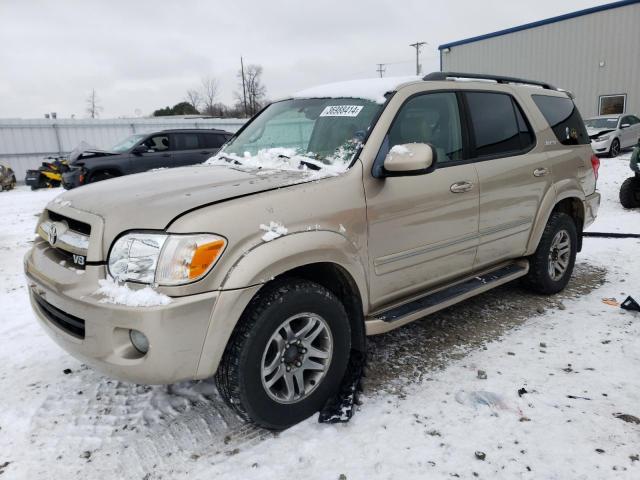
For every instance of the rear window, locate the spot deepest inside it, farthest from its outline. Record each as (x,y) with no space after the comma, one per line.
(213,140)
(187,141)
(563,118)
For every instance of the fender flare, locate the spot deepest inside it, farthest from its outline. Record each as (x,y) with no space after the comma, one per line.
(559,192)
(270,259)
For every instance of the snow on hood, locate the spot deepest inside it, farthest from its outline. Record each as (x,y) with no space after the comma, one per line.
(273,160)
(372,89)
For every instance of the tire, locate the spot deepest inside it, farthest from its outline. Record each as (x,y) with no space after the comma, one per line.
(100,176)
(630,193)
(253,345)
(540,279)
(614,149)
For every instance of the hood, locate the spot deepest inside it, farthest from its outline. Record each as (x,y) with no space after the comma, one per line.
(153,199)
(77,156)
(84,151)
(596,132)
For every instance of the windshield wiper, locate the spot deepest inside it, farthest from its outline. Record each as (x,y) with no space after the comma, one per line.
(230,160)
(310,165)
(307,163)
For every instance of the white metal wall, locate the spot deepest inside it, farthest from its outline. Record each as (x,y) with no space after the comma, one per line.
(24,143)
(566,54)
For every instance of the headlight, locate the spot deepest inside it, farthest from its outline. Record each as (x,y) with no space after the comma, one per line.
(602,138)
(164,259)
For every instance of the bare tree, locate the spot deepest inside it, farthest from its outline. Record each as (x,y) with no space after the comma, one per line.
(194,98)
(209,94)
(255,90)
(93,105)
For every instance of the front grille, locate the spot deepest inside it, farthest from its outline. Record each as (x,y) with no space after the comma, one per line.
(75,225)
(70,324)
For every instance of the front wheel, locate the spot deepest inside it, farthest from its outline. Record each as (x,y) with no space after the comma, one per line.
(630,193)
(614,150)
(551,265)
(287,355)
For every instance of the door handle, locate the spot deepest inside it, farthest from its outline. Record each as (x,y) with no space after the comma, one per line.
(204,152)
(540,172)
(461,187)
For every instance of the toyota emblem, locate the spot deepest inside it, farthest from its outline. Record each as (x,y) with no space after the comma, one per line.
(53,235)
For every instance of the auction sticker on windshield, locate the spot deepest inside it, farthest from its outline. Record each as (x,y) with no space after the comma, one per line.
(341,111)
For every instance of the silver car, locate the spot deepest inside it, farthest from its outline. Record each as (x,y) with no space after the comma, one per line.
(611,133)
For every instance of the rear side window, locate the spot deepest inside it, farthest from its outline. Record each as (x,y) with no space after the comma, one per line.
(563,118)
(498,126)
(187,141)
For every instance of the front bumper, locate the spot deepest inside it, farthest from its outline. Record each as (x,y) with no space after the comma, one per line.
(601,147)
(180,334)
(591,206)
(73,178)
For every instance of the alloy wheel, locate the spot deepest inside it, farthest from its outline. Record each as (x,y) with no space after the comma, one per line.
(559,255)
(296,358)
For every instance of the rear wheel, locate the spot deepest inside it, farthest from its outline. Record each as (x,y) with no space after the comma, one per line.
(551,265)
(614,150)
(630,193)
(287,355)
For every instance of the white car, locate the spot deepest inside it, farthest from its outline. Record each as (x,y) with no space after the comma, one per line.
(611,133)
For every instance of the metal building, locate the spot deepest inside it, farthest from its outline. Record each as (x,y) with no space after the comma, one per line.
(594,53)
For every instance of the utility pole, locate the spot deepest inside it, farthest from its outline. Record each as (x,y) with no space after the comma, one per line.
(381,70)
(244,89)
(417,46)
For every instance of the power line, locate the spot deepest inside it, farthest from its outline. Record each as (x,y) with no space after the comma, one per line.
(417,46)
(381,70)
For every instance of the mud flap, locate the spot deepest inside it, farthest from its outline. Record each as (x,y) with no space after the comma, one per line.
(341,407)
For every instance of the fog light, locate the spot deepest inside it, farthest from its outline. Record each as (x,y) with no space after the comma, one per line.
(139,340)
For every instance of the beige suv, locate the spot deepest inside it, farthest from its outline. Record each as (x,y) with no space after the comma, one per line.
(344,211)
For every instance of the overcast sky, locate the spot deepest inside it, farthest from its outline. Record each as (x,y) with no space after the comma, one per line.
(143,55)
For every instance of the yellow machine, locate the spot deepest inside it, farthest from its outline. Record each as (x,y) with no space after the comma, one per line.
(49,175)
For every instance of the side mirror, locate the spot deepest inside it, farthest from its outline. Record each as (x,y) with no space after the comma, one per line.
(625,125)
(139,149)
(410,159)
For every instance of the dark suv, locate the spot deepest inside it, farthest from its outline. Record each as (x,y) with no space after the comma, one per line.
(142,152)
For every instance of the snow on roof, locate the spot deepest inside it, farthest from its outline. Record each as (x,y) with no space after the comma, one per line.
(369,88)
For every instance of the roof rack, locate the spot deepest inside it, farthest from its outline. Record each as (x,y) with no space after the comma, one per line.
(435,76)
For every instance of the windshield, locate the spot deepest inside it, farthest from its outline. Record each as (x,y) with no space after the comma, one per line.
(314,133)
(127,143)
(611,122)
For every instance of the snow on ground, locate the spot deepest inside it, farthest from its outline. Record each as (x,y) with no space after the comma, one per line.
(577,363)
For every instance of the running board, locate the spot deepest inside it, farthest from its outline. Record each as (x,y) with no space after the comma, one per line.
(397,316)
